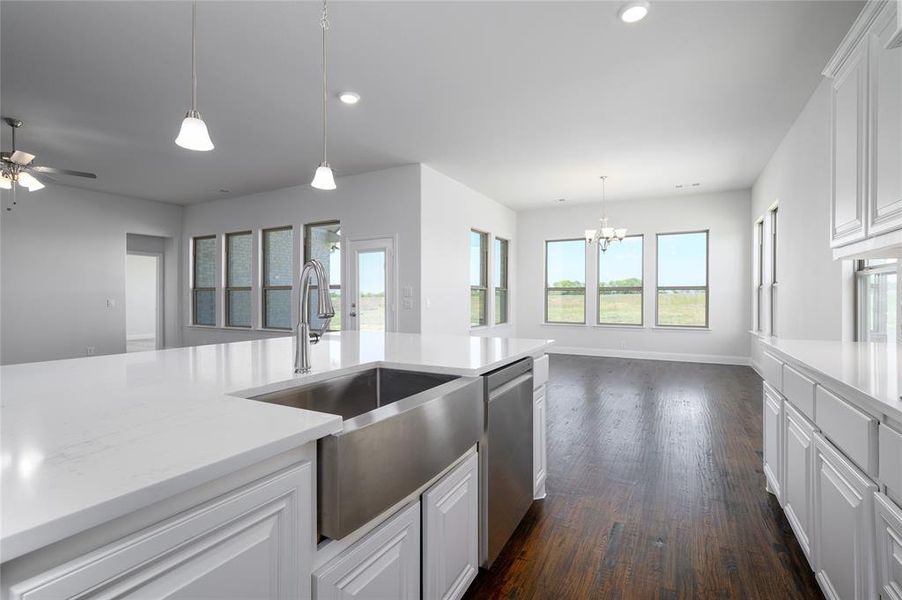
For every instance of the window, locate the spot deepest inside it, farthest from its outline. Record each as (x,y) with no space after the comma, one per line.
(478,277)
(203,293)
(239,258)
(773,271)
(501,279)
(620,283)
(759,276)
(278,272)
(877,300)
(322,241)
(565,281)
(682,286)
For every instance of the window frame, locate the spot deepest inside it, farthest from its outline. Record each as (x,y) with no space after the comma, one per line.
(706,287)
(557,289)
(772,213)
(483,279)
(504,270)
(305,253)
(264,272)
(195,288)
(227,288)
(640,288)
(862,272)
(759,276)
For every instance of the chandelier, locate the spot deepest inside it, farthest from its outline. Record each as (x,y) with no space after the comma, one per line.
(605,235)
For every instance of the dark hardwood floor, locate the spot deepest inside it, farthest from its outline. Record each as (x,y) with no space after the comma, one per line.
(655,490)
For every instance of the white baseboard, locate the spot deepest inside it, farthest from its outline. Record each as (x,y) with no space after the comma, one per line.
(715,359)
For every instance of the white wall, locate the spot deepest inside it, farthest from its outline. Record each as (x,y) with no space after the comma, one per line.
(378,204)
(724,214)
(814,295)
(449,211)
(62,255)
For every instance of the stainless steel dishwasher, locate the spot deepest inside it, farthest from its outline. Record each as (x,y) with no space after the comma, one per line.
(505,455)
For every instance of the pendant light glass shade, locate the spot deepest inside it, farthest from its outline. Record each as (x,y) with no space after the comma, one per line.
(194,135)
(5,182)
(323,178)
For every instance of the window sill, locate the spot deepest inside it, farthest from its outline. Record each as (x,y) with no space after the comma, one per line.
(616,326)
(230,328)
(678,328)
(546,324)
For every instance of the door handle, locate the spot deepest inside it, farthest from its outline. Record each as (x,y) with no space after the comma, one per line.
(353,314)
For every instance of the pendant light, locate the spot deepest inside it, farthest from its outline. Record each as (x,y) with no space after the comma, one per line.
(605,235)
(323,179)
(194,135)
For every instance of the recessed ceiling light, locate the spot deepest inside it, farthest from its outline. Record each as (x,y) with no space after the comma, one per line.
(349,97)
(633,11)
(559,200)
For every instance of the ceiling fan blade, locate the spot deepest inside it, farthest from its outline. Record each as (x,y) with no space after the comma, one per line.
(43,169)
(21,158)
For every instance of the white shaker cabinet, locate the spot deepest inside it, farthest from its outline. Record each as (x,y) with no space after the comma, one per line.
(384,564)
(451,532)
(843,525)
(773,442)
(885,109)
(798,455)
(249,543)
(847,203)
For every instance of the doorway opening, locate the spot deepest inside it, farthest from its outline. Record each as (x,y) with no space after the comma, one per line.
(144,293)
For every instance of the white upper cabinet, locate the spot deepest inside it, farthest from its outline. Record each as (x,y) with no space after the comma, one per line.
(866,135)
(847,207)
(885,85)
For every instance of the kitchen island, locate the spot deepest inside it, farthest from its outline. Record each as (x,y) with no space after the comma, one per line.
(97,449)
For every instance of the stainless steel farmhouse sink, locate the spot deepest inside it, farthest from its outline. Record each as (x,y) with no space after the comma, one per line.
(401,429)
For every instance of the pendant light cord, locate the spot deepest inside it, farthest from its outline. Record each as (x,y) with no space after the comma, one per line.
(604,201)
(324,24)
(194,59)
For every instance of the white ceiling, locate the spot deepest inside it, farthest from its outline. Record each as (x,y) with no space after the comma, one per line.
(522,101)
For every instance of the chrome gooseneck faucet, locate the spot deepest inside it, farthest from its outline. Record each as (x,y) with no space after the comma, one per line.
(324,310)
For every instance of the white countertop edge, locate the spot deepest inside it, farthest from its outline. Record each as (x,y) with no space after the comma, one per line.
(22,542)
(871,404)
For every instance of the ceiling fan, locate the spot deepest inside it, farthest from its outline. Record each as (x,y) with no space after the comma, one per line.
(18,167)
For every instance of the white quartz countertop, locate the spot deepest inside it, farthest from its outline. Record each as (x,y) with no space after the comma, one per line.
(865,372)
(86,440)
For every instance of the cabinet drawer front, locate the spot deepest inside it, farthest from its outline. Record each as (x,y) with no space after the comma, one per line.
(540,371)
(799,390)
(851,430)
(773,371)
(251,542)
(888,518)
(384,564)
(891,460)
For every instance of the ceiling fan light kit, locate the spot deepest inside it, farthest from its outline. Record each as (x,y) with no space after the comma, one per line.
(193,134)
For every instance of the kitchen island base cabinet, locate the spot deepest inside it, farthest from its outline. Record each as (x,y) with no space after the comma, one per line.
(773,441)
(843,525)
(888,517)
(249,543)
(384,564)
(539,443)
(798,444)
(451,533)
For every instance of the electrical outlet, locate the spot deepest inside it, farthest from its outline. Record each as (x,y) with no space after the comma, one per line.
(89,351)
(111,303)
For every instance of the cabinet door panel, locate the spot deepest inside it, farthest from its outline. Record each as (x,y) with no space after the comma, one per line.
(773,445)
(888,518)
(384,564)
(539,443)
(849,87)
(451,533)
(798,436)
(253,542)
(886,126)
(843,533)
